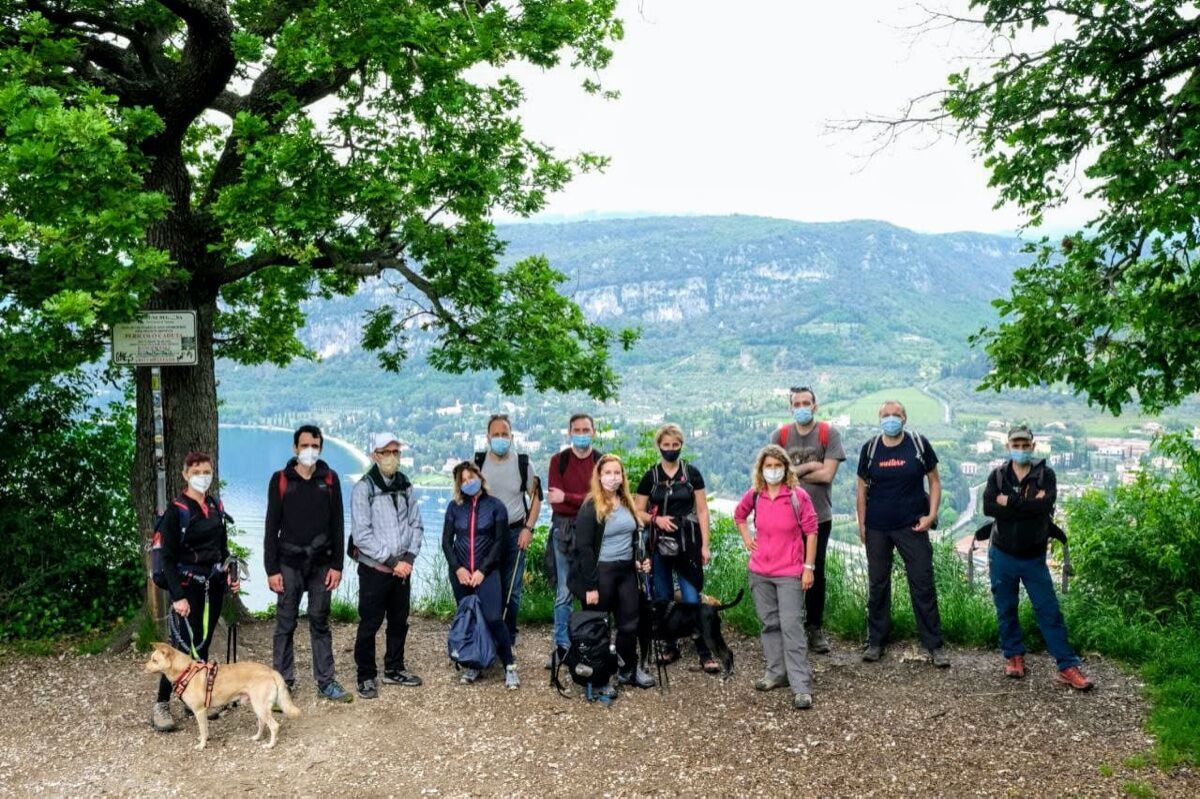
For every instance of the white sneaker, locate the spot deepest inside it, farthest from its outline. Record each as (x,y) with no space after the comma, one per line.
(469,676)
(511,681)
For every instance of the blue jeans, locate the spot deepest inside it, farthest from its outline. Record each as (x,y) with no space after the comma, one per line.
(562,596)
(663,572)
(512,578)
(1007,573)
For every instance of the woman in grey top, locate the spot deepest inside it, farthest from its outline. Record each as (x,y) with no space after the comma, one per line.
(604,569)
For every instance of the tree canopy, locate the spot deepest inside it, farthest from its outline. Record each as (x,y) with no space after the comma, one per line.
(249,155)
(1108,106)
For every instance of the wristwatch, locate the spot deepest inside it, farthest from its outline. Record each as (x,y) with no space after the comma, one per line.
(809,567)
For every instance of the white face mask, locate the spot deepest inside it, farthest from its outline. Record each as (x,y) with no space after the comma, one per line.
(611,482)
(308,456)
(200,482)
(773,476)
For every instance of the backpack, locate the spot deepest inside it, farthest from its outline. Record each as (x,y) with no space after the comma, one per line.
(470,643)
(590,659)
(372,492)
(523,469)
(822,434)
(283,485)
(158,571)
(918,445)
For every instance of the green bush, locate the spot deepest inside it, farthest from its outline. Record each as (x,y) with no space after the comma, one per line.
(1137,548)
(71,539)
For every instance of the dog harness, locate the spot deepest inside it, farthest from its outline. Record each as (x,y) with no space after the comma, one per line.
(195,668)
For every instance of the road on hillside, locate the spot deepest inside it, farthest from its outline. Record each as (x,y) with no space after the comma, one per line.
(947,415)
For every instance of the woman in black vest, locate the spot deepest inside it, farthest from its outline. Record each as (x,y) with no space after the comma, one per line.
(604,570)
(195,547)
(672,503)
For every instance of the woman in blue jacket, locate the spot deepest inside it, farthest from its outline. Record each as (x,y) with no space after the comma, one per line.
(472,541)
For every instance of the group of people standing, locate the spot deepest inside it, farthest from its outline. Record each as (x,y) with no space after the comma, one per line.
(596,555)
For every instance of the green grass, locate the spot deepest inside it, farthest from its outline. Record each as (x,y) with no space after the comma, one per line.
(923,410)
(1107,770)
(147,633)
(1139,790)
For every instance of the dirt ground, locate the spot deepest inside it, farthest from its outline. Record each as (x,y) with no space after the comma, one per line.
(71,726)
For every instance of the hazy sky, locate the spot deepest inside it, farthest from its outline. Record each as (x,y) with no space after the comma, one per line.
(724,107)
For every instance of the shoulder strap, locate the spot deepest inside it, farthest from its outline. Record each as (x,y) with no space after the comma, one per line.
(999,474)
(479,458)
(871,450)
(823,434)
(185,516)
(918,445)
(562,462)
(683,472)
(783,435)
(795,503)
(522,469)
(329,478)
(281,482)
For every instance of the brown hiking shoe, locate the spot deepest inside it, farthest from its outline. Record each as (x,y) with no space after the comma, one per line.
(1015,667)
(1073,677)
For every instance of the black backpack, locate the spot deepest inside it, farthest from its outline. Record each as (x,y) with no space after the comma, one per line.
(590,659)
(523,469)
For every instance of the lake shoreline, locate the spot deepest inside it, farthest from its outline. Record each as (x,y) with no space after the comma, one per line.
(354,451)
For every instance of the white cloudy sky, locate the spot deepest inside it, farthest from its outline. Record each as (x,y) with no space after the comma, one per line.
(724,109)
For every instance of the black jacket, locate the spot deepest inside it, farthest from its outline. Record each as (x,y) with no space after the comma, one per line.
(582,572)
(306,525)
(206,545)
(1023,525)
(491,528)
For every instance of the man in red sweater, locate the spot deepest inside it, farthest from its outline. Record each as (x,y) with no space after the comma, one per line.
(570,480)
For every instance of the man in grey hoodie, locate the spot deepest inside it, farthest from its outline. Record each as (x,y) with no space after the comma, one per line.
(385,539)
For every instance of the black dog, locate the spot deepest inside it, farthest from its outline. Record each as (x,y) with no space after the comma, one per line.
(670,621)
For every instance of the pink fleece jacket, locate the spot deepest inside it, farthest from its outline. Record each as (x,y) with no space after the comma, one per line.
(780,539)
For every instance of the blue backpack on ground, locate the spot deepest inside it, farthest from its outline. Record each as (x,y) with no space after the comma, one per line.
(470,644)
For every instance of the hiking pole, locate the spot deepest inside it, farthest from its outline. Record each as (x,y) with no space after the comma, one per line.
(656,647)
(238,567)
(512,582)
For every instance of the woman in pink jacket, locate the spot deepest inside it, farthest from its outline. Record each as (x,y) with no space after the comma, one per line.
(782,552)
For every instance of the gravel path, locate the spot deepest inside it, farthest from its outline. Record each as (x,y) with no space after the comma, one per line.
(75,725)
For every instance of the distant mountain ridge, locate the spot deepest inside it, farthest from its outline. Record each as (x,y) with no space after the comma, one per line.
(858,292)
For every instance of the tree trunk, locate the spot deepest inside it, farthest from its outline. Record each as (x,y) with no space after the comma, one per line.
(189,397)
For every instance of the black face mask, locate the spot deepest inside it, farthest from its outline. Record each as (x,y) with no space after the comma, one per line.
(670,455)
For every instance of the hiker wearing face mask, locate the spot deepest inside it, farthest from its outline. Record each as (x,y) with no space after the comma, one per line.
(815,449)
(670,500)
(570,480)
(194,544)
(895,512)
(1020,496)
(303,553)
(385,538)
(472,541)
(511,480)
(783,552)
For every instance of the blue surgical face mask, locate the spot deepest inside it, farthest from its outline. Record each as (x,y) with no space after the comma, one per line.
(500,446)
(472,486)
(802,416)
(891,425)
(1021,456)
(581,440)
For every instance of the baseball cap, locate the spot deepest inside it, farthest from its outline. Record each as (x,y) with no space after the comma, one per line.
(1020,433)
(381,440)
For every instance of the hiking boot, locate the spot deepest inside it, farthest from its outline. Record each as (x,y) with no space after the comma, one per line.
(939,658)
(802,701)
(637,678)
(818,642)
(468,676)
(1073,677)
(872,653)
(367,689)
(335,692)
(770,683)
(401,677)
(605,694)
(161,718)
(1015,667)
(562,654)
(511,681)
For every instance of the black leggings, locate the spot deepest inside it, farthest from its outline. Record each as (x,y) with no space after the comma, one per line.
(195,593)
(621,596)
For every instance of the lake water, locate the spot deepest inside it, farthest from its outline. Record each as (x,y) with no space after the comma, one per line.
(249,456)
